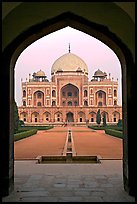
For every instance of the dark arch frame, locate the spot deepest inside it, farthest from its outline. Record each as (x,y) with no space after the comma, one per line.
(9,57)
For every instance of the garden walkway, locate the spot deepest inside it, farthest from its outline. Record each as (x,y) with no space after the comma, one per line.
(86,141)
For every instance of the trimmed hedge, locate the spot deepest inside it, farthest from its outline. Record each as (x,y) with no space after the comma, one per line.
(35,127)
(97,127)
(110,130)
(42,127)
(24,134)
(114,127)
(115,133)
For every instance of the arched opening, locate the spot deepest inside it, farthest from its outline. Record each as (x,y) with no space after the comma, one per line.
(85,103)
(116,116)
(38,98)
(24,116)
(69,117)
(106,115)
(81,117)
(53,103)
(58,117)
(46,116)
(11,54)
(100,98)
(69,95)
(35,117)
(92,116)
(85,93)
(53,93)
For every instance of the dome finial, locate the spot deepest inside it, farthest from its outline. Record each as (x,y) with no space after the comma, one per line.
(69,47)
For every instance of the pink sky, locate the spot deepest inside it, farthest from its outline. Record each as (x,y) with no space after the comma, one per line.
(43,53)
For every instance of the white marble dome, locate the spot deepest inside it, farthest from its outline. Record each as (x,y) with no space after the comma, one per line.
(69,62)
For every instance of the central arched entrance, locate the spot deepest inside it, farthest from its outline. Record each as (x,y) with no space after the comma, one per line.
(69,95)
(101,32)
(69,117)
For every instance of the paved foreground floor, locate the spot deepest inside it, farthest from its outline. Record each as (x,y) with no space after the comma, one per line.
(68,182)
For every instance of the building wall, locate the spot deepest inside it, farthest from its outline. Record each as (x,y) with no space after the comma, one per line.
(70,98)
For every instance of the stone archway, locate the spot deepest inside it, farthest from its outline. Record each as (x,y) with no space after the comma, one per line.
(19,43)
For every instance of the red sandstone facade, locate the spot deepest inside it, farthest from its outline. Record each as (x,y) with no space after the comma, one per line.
(69,96)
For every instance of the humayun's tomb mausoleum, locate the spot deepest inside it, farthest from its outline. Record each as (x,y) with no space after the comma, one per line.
(69,97)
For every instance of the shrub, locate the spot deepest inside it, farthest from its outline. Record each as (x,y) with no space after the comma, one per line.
(38,127)
(24,128)
(96,127)
(24,134)
(115,133)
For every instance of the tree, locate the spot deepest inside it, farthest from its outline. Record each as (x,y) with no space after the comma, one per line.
(16,117)
(98,117)
(104,120)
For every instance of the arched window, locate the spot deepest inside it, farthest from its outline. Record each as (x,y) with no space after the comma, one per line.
(99,103)
(24,103)
(53,103)
(39,95)
(53,93)
(39,104)
(58,117)
(115,118)
(85,103)
(100,94)
(35,117)
(69,103)
(69,94)
(63,103)
(115,102)
(92,118)
(24,117)
(47,117)
(24,93)
(115,93)
(85,93)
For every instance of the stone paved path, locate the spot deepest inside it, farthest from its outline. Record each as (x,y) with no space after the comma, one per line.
(68,182)
(86,141)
